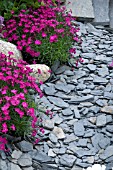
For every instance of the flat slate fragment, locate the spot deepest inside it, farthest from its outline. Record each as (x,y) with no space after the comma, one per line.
(107,109)
(107,153)
(58,102)
(79,128)
(78,99)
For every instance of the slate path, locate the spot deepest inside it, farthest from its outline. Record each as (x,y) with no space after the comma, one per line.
(80,133)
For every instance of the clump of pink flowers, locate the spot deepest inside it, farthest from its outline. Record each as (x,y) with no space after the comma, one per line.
(17,110)
(43,35)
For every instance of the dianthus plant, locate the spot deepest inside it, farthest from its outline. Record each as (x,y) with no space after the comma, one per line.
(44,35)
(17,110)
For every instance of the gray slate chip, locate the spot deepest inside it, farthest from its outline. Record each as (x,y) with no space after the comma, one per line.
(99,80)
(91,67)
(79,128)
(67,112)
(107,153)
(25,160)
(58,102)
(101,120)
(67,160)
(25,146)
(78,99)
(41,157)
(49,90)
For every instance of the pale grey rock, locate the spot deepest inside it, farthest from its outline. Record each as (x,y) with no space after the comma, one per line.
(91,67)
(108,95)
(57,119)
(51,153)
(109,118)
(16,154)
(49,90)
(101,12)
(82,142)
(61,69)
(67,112)
(83,152)
(12,166)
(25,160)
(89,159)
(104,142)
(62,151)
(88,55)
(48,124)
(101,120)
(109,128)
(107,109)
(103,72)
(25,146)
(46,148)
(58,132)
(79,129)
(3,165)
(70,138)
(68,73)
(58,102)
(40,156)
(67,160)
(79,74)
(53,138)
(99,80)
(77,99)
(76,112)
(107,153)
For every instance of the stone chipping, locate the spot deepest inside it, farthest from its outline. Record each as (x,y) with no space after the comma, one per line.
(80,134)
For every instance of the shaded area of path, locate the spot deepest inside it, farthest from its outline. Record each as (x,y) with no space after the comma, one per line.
(80,133)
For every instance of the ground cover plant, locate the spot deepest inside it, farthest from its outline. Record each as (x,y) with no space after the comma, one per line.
(44,35)
(17,110)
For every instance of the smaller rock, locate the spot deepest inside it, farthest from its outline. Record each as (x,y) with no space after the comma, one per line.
(48,124)
(91,67)
(45,74)
(107,153)
(16,154)
(25,160)
(107,109)
(101,120)
(51,153)
(58,102)
(67,160)
(76,112)
(67,112)
(25,146)
(59,132)
(13,166)
(53,138)
(79,128)
(82,142)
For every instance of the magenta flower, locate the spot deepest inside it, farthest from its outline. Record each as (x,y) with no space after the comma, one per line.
(4,128)
(44,34)
(13,127)
(24,104)
(38,42)
(53,38)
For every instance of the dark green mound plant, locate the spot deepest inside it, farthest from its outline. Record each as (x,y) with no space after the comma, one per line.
(7,8)
(44,35)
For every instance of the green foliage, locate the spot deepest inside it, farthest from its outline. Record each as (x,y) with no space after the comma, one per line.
(16,5)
